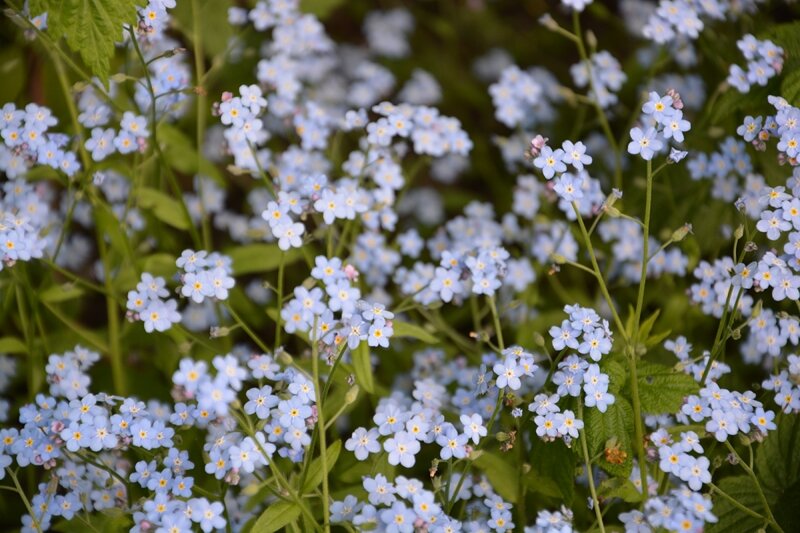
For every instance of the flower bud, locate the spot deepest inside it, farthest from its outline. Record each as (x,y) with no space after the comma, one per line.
(679,234)
(352,395)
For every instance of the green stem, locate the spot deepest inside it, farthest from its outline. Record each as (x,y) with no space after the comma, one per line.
(601,115)
(632,344)
(13,476)
(323,453)
(197,37)
(279,302)
(754,478)
(497,327)
(589,474)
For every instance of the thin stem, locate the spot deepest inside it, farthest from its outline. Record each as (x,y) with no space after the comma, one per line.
(589,474)
(197,37)
(323,452)
(279,302)
(736,503)
(598,274)
(601,115)
(35,522)
(761,495)
(497,327)
(633,342)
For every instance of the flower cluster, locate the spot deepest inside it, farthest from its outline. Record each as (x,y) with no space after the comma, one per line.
(26,141)
(24,217)
(674,458)
(664,122)
(524,98)
(764,61)
(205,275)
(681,509)
(315,308)
(603,75)
(59,430)
(727,413)
(147,304)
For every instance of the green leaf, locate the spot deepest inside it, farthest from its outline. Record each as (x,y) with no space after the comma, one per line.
(790,87)
(778,467)
(89,336)
(617,487)
(61,293)
(314,476)
(617,374)
(321,8)
(552,464)
(12,345)
(612,428)
(730,517)
(647,326)
(363,367)
(91,27)
(405,329)
(109,225)
(163,207)
(252,258)
(502,475)
(276,516)
(662,389)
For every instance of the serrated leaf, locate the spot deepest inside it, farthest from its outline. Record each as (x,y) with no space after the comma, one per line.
(12,345)
(502,475)
(276,516)
(314,476)
(92,27)
(165,208)
(617,374)
(555,463)
(362,366)
(778,458)
(731,518)
(617,424)
(260,257)
(790,87)
(405,329)
(662,389)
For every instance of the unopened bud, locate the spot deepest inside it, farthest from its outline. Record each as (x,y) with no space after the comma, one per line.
(217,332)
(283,357)
(738,232)
(538,339)
(548,22)
(756,309)
(501,436)
(558,259)
(613,212)
(591,40)
(352,395)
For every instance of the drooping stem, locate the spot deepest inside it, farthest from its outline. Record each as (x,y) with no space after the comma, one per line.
(323,449)
(757,485)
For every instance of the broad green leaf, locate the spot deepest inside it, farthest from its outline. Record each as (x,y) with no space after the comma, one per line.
(166,209)
(662,389)
(181,154)
(731,518)
(405,329)
(363,367)
(552,463)
(260,257)
(617,373)
(314,476)
(60,293)
(502,475)
(614,427)
(12,345)
(778,469)
(92,27)
(617,487)
(276,516)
